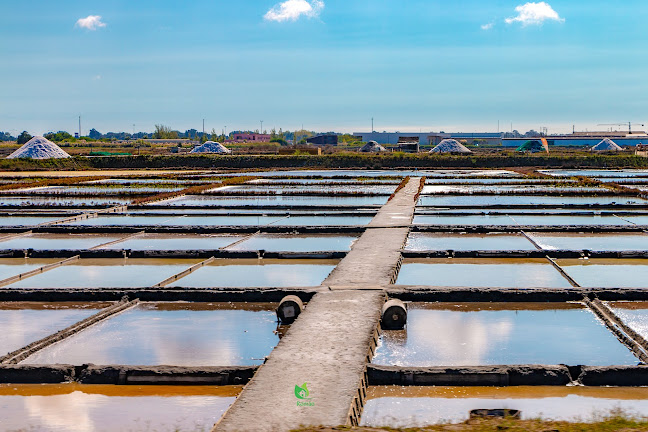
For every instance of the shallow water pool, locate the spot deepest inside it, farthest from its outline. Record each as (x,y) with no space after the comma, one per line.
(607,273)
(294,243)
(444,334)
(467,242)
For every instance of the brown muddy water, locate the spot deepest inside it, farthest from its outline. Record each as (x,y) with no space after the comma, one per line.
(94,408)
(419,406)
(476,334)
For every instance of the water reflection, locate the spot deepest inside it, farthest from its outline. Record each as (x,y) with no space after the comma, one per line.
(493,334)
(419,406)
(78,408)
(608,273)
(183,336)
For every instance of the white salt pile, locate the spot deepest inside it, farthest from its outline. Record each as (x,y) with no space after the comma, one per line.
(211,147)
(39,148)
(372,146)
(450,146)
(606,145)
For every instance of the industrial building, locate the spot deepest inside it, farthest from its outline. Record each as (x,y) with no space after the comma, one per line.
(430,138)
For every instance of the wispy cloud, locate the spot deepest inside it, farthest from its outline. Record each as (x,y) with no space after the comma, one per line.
(488,26)
(91,22)
(292,10)
(96,77)
(534,14)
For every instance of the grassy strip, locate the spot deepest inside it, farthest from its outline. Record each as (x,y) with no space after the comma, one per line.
(66,181)
(192,190)
(399,187)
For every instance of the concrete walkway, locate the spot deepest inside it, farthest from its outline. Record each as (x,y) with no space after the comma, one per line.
(330,344)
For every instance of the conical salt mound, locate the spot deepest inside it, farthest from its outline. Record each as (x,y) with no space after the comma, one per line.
(606,145)
(39,148)
(450,146)
(211,147)
(372,146)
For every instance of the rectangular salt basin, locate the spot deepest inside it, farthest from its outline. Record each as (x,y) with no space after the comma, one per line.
(57,241)
(62,201)
(607,273)
(175,242)
(107,273)
(419,406)
(323,221)
(467,242)
(596,173)
(502,220)
(180,334)
(593,242)
(242,273)
(89,408)
(23,323)
(278,200)
(481,273)
(476,334)
(26,221)
(179,221)
(14,266)
(484,200)
(294,243)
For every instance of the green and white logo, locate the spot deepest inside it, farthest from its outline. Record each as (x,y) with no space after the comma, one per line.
(302,393)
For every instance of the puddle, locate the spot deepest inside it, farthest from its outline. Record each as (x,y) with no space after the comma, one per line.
(24,323)
(175,242)
(90,408)
(294,243)
(243,273)
(176,334)
(484,200)
(467,242)
(56,241)
(592,242)
(607,273)
(14,266)
(107,273)
(481,273)
(278,200)
(445,334)
(418,406)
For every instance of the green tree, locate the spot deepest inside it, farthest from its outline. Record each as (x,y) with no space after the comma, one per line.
(23,137)
(164,132)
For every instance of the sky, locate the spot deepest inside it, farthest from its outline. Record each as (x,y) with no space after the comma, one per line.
(411,65)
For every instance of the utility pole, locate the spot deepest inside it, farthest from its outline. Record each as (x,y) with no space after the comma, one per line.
(372,126)
(203,127)
(261,130)
(79,126)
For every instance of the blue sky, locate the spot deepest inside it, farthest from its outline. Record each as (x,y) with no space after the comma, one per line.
(410,64)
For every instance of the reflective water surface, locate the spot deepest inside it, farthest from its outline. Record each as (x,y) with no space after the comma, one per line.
(497,272)
(607,273)
(241,273)
(175,242)
(418,406)
(492,241)
(24,323)
(635,314)
(182,334)
(107,273)
(444,334)
(592,242)
(278,200)
(103,408)
(295,243)
(57,241)
(483,200)
(14,266)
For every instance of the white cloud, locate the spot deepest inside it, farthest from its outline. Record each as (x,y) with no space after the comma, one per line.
(291,10)
(96,77)
(488,26)
(534,13)
(91,22)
